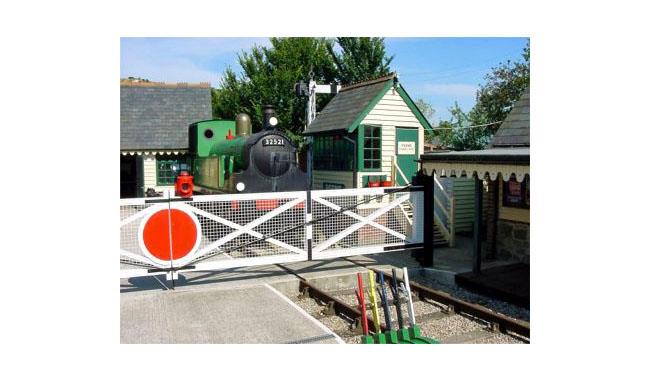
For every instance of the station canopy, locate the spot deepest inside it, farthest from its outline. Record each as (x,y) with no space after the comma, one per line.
(486,163)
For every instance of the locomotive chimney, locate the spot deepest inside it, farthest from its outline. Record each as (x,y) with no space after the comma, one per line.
(243,126)
(270,121)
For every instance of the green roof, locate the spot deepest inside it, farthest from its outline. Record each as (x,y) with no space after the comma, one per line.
(353,103)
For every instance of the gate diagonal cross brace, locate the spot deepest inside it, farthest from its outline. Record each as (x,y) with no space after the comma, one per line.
(133,217)
(248,228)
(138,258)
(365,220)
(359,217)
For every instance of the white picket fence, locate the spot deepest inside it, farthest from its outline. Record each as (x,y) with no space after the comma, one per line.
(212,232)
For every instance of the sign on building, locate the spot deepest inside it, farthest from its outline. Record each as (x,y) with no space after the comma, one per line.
(406,147)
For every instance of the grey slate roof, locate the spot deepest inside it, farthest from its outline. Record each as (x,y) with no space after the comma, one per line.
(156,116)
(515,129)
(341,112)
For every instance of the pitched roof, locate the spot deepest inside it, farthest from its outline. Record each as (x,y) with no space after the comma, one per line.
(344,110)
(156,116)
(515,129)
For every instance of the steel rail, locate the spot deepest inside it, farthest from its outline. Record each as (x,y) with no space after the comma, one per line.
(340,307)
(504,323)
(499,321)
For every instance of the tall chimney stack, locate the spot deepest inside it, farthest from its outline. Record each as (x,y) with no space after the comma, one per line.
(270,121)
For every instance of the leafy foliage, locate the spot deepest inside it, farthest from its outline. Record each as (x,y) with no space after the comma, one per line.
(455,133)
(503,87)
(426,109)
(269,74)
(360,58)
(428,112)
(268,77)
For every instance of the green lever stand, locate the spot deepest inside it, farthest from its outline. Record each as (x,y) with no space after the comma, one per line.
(411,335)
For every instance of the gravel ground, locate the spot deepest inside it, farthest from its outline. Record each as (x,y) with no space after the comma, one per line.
(441,329)
(335,323)
(452,325)
(435,328)
(499,339)
(500,307)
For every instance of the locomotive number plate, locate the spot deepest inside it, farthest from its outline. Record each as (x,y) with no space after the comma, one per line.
(273,142)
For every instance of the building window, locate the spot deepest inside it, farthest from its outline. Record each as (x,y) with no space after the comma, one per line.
(516,194)
(168,168)
(333,153)
(371,147)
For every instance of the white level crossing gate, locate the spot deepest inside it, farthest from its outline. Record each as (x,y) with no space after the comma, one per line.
(211,232)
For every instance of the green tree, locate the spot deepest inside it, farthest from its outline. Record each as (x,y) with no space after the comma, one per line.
(502,88)
(428,112)
(460,133)
(359,58)
(268,77)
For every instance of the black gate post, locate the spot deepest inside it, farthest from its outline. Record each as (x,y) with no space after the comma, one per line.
(428,220)
(310,161)
(425,255)
(478,213)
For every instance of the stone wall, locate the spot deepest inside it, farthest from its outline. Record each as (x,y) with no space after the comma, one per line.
(490,205)
(513,241)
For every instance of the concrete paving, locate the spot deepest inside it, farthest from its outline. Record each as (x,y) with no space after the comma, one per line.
(239,305)
(326,274)
(254,314)
(249,305)
(449,261)
(223,279)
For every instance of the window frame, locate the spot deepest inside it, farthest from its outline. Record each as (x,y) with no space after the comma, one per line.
(332,154)
(163,179)
(362,148)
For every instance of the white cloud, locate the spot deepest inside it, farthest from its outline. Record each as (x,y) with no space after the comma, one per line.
(182,59)
(448,89)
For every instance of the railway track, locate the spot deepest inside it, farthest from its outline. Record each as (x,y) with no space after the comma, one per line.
(439,315)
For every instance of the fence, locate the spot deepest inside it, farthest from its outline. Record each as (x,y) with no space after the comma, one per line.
(211,232)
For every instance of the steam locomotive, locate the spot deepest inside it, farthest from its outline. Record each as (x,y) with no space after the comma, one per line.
(266,161)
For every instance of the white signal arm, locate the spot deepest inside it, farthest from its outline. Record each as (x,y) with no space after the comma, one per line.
(314,89)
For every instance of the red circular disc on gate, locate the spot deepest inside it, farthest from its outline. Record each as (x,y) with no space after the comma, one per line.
(156,233)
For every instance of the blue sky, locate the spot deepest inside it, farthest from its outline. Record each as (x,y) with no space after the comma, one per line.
(438,70)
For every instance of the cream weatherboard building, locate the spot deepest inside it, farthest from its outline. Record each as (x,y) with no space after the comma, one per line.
(154,120)
(371,132)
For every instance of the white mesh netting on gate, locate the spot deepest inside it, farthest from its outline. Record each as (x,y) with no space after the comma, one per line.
(234,230)
(372,219)
(240,228)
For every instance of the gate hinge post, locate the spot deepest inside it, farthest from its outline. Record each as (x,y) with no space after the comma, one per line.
(308,228)
(171,276)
